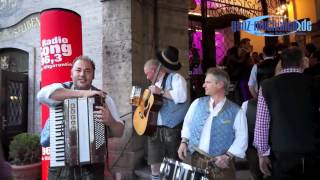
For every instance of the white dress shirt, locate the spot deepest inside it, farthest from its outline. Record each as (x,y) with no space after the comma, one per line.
(240,143)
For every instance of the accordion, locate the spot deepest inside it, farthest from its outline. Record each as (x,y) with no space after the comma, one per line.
(76,138)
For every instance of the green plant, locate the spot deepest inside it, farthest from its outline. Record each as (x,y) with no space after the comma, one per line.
(25,149)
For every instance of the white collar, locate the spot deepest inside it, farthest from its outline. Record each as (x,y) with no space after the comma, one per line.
(219,105)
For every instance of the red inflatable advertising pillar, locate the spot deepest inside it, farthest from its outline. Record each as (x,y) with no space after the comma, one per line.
(61,42)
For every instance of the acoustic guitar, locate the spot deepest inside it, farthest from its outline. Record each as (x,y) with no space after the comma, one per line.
(146,114)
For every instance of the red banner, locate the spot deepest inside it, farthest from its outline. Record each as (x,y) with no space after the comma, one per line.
(61,43)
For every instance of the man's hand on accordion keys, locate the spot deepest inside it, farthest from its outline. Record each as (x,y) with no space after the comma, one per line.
(103,115)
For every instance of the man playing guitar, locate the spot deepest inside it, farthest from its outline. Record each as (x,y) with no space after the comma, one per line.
(173,88)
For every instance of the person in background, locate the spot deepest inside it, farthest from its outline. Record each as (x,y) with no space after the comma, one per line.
(263,70)
(239,64)
(245,69)
(309,50)
(294,44)
(280,48)
(216,126)
(259,72)
(82,74)
(245,45)
(287,130)
(255,57)
(314,68)
(250,109)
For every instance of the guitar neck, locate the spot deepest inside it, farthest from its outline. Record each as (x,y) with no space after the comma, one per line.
(156,75)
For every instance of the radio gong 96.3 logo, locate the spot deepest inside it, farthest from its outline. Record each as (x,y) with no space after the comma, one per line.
(53,50)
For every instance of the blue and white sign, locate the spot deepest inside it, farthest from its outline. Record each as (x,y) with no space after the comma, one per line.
(271,26)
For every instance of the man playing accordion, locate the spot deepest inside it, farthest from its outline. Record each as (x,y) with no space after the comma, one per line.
(82,74)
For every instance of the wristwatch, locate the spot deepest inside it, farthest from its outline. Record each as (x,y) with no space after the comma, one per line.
(185,141)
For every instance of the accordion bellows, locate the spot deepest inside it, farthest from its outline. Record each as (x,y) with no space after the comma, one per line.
(76,138)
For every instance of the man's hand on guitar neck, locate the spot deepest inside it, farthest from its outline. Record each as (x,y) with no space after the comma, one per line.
(156,90)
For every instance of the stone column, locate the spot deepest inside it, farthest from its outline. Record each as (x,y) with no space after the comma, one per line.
(127,151)
(128,42)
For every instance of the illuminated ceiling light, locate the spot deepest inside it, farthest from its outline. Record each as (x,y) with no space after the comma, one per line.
(13,98)
(195,30)
(194,13)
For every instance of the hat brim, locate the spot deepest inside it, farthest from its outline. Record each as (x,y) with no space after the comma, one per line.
(168,65)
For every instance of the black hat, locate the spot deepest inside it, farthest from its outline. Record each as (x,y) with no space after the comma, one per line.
(169,58)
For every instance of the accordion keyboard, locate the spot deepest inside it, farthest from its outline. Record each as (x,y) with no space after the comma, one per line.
(76,135)
(57,154)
